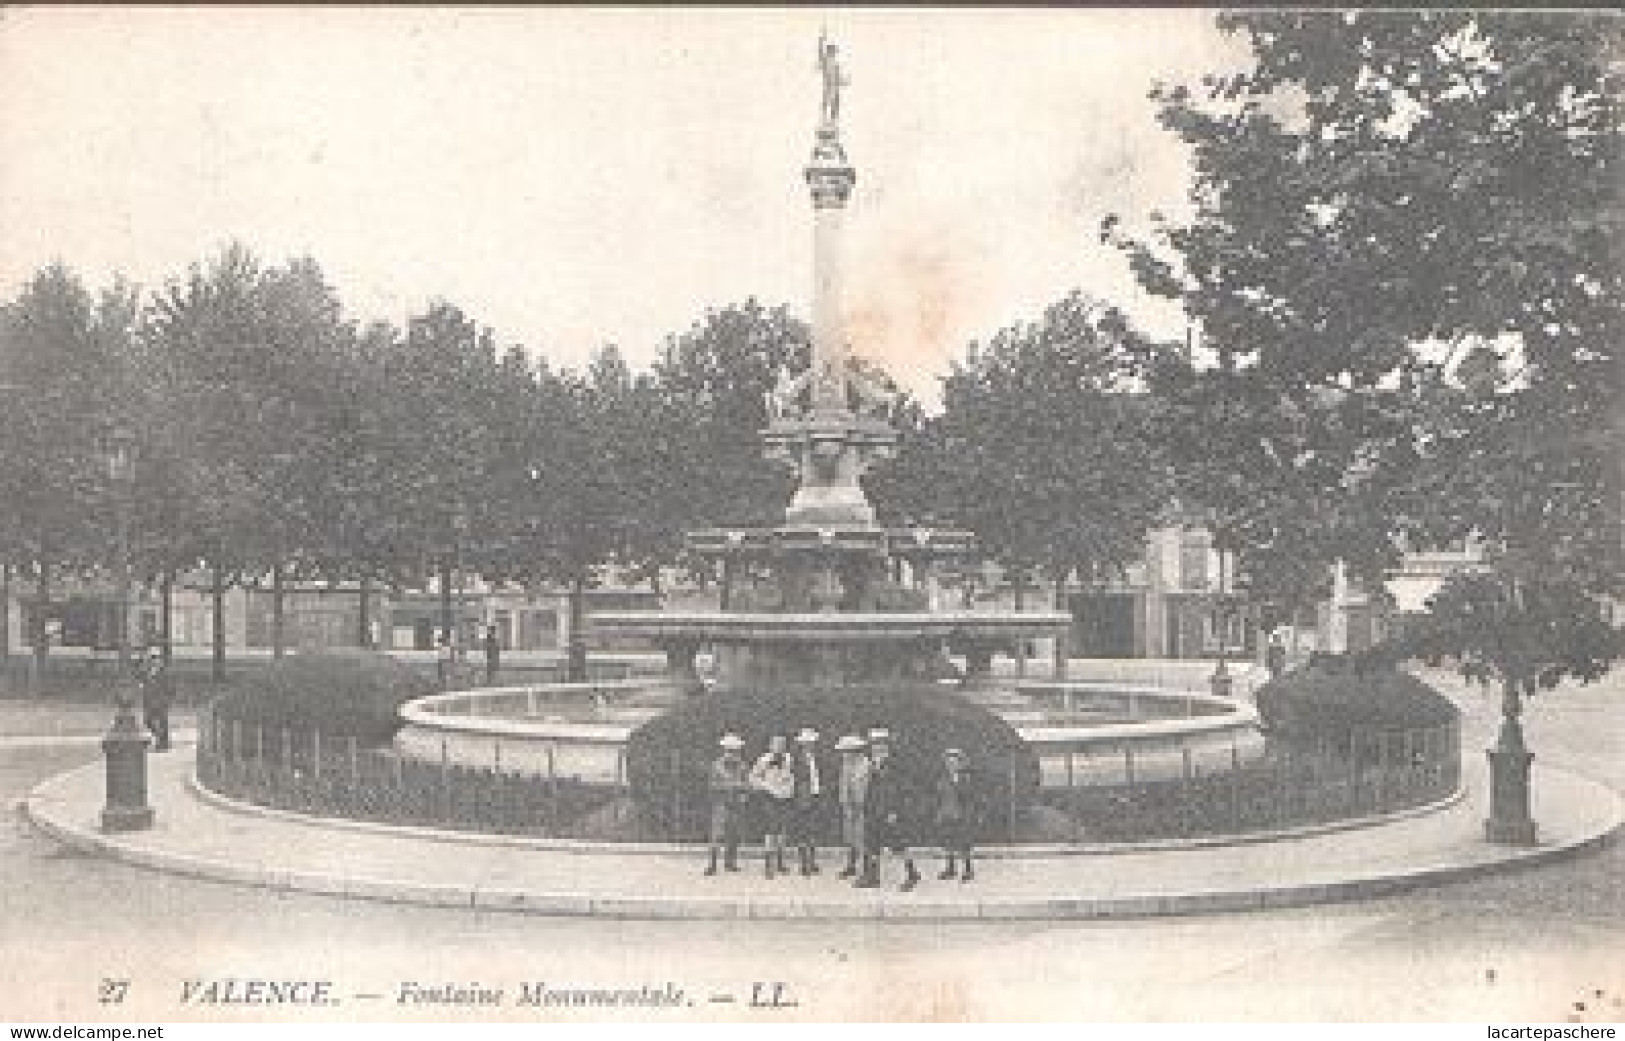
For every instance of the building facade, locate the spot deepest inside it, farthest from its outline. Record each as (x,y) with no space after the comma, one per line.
(84,614)
(1165,605)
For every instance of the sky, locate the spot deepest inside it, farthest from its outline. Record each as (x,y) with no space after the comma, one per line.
(579,177)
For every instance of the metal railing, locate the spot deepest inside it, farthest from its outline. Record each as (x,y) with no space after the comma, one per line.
(1292,784)
(1103,796)
(307,771)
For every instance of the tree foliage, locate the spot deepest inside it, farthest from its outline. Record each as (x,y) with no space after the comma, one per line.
(1380,196)
(714,379)
(1043,445)
(1529,632)
(64,355)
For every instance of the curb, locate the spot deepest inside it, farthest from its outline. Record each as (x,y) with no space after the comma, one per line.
(884,906)
(181,736)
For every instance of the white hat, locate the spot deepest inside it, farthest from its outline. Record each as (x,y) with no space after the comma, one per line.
(879,734)
(850,743)
(952,751)
(807,736)
(732,741)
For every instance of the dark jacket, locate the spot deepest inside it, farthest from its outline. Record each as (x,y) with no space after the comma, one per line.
(958,798)
(812,780)
(888,794)
(157,690)
(729,781)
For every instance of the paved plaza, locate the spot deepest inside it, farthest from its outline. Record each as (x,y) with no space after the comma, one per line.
(1530,944)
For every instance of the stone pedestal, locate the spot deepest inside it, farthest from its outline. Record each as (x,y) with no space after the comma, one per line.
(125,749)
(1510,822)
(829,454)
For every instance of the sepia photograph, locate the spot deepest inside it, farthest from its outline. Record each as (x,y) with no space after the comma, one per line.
(768,515)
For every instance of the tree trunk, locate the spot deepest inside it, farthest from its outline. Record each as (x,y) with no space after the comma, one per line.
(575,666)
(166,613)
(364,614)
(1021,605)
(278,637)
(38,633)
(446,622)
(217,595)
(1063,638)
(5,616)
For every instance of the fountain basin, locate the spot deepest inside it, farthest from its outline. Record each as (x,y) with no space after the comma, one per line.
(566,730)
(1093,733)
(830,649)
(1172,734)
(825,627)
(769,542)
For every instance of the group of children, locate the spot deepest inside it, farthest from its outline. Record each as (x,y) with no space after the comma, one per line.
(882,810)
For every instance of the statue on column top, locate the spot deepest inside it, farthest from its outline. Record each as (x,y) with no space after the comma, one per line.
(834,78)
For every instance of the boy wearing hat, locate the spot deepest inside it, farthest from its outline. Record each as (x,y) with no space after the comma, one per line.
(955,814)
(886,818)
(729,787)
(808,798)
(853,791)
(773,777)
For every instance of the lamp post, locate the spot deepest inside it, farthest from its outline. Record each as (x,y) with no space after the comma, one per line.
(1221,682)
(450,574)
(1510,821)
(125,744)
(460,522)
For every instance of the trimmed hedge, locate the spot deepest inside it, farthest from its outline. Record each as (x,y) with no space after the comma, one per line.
(343,694)
(1331,698)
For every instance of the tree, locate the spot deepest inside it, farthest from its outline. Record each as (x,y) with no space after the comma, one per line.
(304,416)
(440,384)
(1381,194)
(713,380)
(1042,447)
(355,521)
(601,481)
(65,357)
(206,335)
(246,368)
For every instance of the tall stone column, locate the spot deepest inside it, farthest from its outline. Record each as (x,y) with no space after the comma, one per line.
(831,180)
(827,440)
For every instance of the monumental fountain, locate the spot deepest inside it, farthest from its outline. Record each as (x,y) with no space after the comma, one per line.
(825,620)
